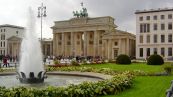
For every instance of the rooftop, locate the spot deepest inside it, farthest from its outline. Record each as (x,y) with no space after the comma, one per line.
(153,10)
(12,26)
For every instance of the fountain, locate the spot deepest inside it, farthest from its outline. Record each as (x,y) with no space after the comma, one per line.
(31,69)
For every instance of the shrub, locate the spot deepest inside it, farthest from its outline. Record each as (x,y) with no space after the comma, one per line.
(155,60)
(56,62)
(123,59)
(74,63)
(168,68)
(115,85)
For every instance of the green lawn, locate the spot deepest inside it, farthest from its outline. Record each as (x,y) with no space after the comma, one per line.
(143,86)
(147,86)
(134,66)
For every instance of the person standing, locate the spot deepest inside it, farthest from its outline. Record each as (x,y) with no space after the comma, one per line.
(5,61)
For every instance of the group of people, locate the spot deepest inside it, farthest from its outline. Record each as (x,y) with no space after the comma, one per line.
(79,59)
(6,60)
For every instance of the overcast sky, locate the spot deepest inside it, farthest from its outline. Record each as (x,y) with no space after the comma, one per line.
(15,11)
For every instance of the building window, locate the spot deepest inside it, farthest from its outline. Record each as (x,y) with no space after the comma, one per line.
(4,43)
(170,38)
(141,28)
(155,38)
(148,18)
(91,36)
(148,38)
(78,36)
(100,41)
(60,37)
(155,50)
(69,37)
(162,52)
(59,43)
(162,17)
(169,16)
(169,26)
(145,27)
(162,38)
(68,43)
(78,42)
(148,27)
(4,30)
(155,26)
(1,30)
(2,37)
(162,26)
(1,43)
(148,52)
(115,43)
(141,52)
(169,51)
(17,32)
(90,42)
(140,18)
(115,53)
(155,17)
(141,39)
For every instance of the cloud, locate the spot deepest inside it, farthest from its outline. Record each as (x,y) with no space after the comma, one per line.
(15,11)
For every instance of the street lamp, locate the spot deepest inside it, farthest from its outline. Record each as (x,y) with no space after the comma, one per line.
(41,14)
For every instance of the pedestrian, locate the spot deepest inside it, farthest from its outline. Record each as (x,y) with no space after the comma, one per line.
(5,61)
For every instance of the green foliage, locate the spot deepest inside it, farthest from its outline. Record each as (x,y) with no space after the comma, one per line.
(168,68)
(123,59)
(155,60)
(56,62)
(84,62)
(75,63)
(115,85)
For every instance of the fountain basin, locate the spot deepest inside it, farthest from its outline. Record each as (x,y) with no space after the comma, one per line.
(54,79)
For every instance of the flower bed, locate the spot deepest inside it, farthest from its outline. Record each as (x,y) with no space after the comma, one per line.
(114,85)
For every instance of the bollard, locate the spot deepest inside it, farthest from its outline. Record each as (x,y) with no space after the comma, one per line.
(169,92)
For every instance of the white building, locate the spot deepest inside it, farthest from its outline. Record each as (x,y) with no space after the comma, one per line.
(10,38)
(154,33)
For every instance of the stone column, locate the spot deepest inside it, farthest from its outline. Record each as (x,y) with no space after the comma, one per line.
(109,49)
(120,47)
(62,45)
(127,44)
(85,43)
(72,43)
(54,45)
(96,43)
(57,46)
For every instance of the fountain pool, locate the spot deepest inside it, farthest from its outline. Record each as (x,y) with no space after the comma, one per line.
(54,79)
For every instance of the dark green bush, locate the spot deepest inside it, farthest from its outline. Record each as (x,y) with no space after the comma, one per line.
(155,60)
(123,59)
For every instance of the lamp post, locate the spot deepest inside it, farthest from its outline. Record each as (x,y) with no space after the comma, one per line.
(41,14)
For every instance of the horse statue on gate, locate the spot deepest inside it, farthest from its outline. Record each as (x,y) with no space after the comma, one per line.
(83,13)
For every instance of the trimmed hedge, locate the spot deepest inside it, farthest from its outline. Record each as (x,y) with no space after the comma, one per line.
(123,59)
(115,85)
(155,60)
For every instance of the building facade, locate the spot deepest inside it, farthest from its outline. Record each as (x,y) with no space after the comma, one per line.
(154,33)
(10,39)
(91,37)
(47,46)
